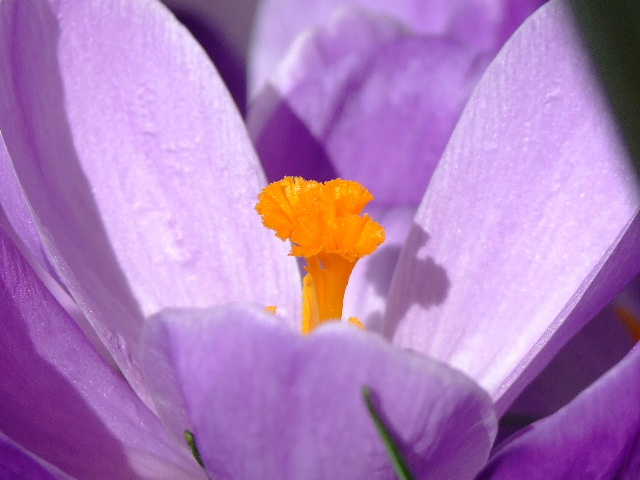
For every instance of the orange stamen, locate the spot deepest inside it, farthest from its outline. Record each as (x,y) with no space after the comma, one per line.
(324,224)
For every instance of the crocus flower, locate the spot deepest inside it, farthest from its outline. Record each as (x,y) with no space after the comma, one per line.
(165,123)
(129,176)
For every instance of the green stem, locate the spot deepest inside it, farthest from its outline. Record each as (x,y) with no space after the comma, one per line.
(191,441)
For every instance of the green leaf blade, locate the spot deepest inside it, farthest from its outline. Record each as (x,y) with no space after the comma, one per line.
(399,465)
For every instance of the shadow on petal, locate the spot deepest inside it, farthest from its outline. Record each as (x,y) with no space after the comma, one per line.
(35,125)
(430,282)
(54,387)
(38,402)
(386,256)
(284,143)
(227,62)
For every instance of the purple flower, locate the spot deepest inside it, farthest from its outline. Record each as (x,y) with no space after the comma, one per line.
(129,178)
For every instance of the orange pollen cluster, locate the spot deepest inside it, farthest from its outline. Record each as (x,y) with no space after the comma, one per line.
(323,221)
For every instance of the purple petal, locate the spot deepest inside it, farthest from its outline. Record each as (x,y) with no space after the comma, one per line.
(18,463)
(529,226)
(599,346)
(363,92)
(28,238)
(266,402)
(136,165)
(19,218)
(595,436)
(60,401)
(480,25)
(291,117)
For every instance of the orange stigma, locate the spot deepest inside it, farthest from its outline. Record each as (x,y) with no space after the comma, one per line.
(324,224)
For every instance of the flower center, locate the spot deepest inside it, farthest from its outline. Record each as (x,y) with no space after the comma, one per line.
(324,224)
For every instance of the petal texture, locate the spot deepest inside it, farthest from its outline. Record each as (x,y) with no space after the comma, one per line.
(481,24)
(61,402)
(136,164)
(265,402)
(529,226)
(597,436)
(372,100)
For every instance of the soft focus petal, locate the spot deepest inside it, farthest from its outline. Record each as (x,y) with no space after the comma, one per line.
(136,165)
(231,20)
(265,402)
(223,29)
(370,99)
(295,111)
(529,225)
(17,463)
(61,401)
(480,24)
(594,437)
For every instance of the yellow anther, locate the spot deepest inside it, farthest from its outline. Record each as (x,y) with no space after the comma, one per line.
(324,224)
(271,309)
(355,322)
(310,313)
